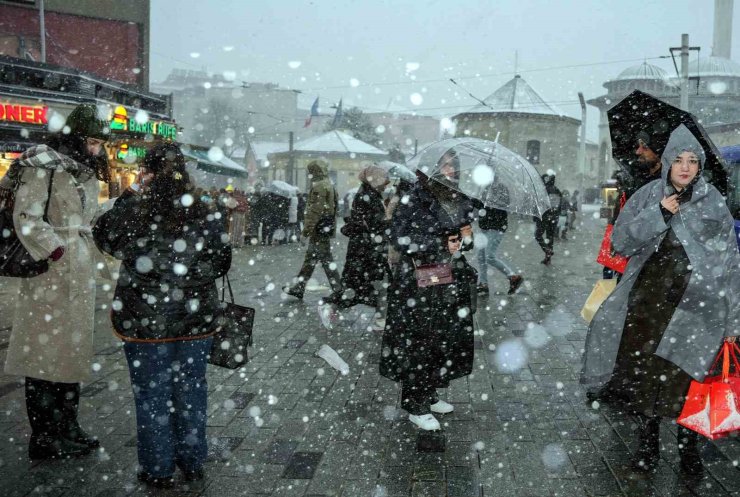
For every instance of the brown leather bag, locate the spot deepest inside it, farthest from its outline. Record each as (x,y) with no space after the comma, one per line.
(433,274)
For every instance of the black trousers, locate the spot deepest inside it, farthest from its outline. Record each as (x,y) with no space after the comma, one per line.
(548,227)
(319,252)
(417,397)
(52,407)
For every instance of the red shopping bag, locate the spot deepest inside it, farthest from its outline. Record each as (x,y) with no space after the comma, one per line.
(607,257)
(712,408)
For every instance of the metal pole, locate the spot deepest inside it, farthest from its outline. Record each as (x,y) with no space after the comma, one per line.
(42,27)
(291,160)
(582,147)
(685,71)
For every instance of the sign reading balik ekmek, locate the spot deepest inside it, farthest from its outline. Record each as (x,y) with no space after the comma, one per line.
(121,122)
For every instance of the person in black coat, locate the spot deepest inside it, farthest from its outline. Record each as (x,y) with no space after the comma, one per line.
(166,308)
(548,225)
(366,261)
(415,349)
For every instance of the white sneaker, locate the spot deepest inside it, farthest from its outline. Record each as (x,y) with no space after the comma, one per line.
(426,421)
(327,314)
(442,407)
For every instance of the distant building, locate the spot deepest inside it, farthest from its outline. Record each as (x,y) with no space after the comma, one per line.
(714,90)
(213,110)
(402,128)
(520,119)
(108,38)
(347,156)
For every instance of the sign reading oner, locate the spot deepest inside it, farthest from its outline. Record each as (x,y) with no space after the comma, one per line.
(27,114)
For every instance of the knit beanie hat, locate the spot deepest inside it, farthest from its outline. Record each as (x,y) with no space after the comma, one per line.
(85,122)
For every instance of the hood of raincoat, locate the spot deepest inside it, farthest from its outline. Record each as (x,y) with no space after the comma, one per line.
(318,169)
(681,140)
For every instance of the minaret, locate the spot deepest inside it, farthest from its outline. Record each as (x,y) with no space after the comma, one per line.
(722,43)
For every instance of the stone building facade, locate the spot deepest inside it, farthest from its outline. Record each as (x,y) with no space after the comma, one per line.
(520,119)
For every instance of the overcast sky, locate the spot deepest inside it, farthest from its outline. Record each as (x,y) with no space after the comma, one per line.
(371,52)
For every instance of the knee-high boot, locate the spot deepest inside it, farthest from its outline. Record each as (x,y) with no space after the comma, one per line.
(45,417)
(68,401)
(648,454)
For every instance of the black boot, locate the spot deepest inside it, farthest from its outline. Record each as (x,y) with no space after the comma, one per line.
(55,447)
(45,417)
(68,398)
(688,449)
(648,454)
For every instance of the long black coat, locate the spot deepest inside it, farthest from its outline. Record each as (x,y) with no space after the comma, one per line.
(166,286)
(429,331)
(366,252)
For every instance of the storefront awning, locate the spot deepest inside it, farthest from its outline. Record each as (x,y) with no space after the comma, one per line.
(224,167)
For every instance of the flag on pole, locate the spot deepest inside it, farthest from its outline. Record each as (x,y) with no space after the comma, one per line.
(337,116)
(314,112)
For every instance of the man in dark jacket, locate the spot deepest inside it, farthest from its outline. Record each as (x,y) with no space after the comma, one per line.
(548,225)
(319,228)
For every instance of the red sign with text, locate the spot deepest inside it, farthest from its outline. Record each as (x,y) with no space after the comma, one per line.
(27,114)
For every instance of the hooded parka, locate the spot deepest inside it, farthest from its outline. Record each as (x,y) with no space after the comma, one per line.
(701,296)
(322,200)
(52,336)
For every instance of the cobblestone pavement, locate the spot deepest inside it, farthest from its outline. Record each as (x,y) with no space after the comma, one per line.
(290,425)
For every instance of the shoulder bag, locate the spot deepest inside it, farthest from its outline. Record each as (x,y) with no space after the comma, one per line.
(15,261)
(229,349)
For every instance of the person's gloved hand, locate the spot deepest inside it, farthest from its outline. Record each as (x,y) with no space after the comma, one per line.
(57,254)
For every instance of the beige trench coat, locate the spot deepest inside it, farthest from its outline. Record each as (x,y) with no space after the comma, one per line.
(52,335)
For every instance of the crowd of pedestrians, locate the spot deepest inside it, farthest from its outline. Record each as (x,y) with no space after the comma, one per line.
(406,258)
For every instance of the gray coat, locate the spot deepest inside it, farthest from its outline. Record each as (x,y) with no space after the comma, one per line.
(709,308)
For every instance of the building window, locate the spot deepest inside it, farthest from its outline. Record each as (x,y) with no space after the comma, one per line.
(533,151)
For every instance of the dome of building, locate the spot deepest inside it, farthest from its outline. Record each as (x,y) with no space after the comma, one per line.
(642,71)
(714,66)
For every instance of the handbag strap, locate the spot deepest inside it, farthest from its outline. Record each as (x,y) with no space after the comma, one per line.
(48,198)
(226,283)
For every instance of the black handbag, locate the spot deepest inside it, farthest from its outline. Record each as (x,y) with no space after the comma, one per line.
(15,261)
(229,349)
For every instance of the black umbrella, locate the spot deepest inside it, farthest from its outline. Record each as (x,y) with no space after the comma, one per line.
(640,115)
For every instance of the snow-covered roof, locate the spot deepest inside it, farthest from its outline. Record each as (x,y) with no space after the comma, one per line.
(714,66)
(337,141)
(260,150)
(516,96)
(642,71)
(223,166)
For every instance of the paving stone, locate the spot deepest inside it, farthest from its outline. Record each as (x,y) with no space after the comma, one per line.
(302,465)
(279,451)
(431,441)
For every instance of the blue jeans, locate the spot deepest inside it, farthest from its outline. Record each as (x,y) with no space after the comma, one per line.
(487,255)
(170,390)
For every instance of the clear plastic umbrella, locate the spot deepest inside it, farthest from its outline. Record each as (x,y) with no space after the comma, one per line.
(398,171)
(486,171)
(281,188)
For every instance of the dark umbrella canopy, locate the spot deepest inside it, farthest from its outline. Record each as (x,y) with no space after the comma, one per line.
(642,116)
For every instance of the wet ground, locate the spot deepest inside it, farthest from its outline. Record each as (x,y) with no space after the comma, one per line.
(290,425)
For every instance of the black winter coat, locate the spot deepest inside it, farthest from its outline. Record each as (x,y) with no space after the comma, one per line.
(166,286)
(366,227)
(429,331)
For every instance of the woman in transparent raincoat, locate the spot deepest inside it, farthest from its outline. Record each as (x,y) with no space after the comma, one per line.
(665,321)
